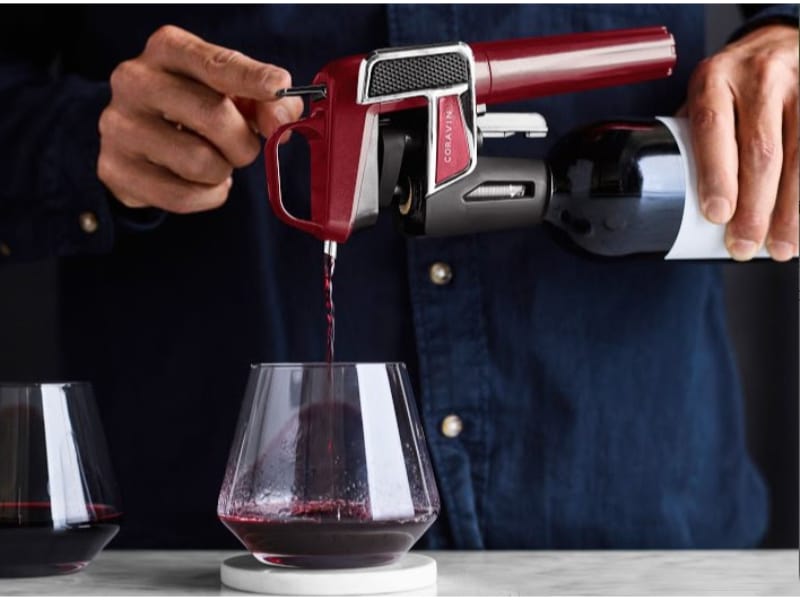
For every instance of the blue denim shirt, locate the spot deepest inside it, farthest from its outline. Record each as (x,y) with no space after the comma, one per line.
(599,399)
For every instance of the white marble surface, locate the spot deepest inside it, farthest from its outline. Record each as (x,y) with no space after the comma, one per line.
(196,573)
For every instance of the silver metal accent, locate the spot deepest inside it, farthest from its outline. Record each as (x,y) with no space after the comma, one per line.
(497,191)
(503,125)
(329,248)
(389,54)
(315,92)
(432,96)
(365,196)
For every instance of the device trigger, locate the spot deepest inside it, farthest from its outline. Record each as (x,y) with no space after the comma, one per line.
(314,92)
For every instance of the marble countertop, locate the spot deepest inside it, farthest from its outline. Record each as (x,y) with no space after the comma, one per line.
(497,573)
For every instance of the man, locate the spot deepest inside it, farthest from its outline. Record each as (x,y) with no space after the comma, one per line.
(567,403)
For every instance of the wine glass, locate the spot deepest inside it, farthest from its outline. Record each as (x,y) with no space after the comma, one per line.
(58,502)
(329,467)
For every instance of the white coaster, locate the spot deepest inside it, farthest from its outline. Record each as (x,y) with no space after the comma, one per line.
(245,573)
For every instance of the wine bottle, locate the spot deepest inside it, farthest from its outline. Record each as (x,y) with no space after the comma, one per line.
(614,188)
(629,187)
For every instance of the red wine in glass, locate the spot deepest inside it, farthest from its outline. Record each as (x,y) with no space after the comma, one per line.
(36,545)
(58,502)
(327,534)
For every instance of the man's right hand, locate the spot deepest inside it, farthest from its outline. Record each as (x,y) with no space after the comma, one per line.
(172,134)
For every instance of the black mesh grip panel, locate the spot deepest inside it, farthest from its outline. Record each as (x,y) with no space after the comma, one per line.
(398,75)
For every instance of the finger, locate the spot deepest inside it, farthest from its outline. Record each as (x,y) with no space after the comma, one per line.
(782,241)
(712,122)
(187,155)
(140,183)
(247,108)
(266,117)
(270,116)
(201,109)
(225,70)
(759,140)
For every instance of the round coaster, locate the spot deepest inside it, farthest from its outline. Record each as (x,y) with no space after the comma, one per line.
(245,573)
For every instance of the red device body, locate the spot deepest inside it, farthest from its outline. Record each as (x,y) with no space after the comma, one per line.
(339,127)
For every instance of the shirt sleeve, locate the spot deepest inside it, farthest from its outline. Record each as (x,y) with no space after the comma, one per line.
(787,14)
(51,201)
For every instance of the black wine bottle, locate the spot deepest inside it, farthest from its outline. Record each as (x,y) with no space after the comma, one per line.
(614,188)
(618,188)
(628,187)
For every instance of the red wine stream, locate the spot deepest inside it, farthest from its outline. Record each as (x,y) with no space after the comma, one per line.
(329,265)
(333,533)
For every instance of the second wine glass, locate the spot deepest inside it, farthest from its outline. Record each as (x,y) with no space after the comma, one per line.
(59,505)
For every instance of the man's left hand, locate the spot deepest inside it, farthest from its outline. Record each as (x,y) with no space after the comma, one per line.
(743,112)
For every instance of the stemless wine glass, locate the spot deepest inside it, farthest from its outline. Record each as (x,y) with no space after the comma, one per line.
(329,467)
(58,501)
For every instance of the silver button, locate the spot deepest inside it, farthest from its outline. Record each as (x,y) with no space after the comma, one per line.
(4,250)
(452,426)
(440,273)
(88,222)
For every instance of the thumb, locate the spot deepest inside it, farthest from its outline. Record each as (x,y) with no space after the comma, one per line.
(268,116)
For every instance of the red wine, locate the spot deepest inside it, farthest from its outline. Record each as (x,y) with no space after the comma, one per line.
(328,267)
(32,545)
(326,534)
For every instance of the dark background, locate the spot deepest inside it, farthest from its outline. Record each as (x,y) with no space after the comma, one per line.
(763,314)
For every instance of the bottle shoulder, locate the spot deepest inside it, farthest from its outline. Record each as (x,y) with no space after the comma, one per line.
(618,187)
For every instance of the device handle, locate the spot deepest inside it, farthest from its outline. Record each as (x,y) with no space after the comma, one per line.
(313,130)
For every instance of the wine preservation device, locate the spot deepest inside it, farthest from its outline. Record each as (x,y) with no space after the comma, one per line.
(401,128)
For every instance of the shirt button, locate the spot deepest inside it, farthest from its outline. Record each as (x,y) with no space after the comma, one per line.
(452,426)
(88,222)
(440,273)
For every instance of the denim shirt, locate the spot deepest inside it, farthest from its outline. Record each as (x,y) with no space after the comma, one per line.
(599,400)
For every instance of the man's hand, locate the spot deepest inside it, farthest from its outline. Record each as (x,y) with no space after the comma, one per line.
(172,134)
(743,112)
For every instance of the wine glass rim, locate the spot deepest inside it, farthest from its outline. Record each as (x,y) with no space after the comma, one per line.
(41,384)
(319,364)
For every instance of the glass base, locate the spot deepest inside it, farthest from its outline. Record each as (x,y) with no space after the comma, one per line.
(41,570)
(40,550)
(318,541)
(329,561)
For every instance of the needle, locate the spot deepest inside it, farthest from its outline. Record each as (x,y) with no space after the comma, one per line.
(329,248)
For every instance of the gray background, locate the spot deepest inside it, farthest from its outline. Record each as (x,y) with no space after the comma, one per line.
(763,314)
